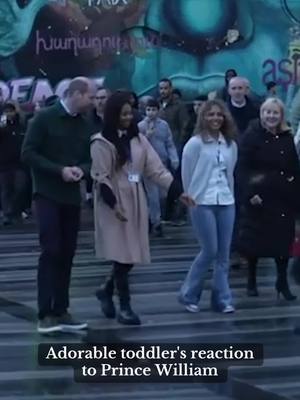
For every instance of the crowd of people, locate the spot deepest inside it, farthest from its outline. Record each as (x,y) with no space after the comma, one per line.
(228,164)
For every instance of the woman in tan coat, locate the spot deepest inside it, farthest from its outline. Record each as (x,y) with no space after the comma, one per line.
(121,157)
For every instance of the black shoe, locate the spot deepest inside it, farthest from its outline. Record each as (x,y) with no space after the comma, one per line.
(283,288)
(157,231)
(7,221)
(252,291)
(107,304)
(128,317)
(235,261)
(251,288)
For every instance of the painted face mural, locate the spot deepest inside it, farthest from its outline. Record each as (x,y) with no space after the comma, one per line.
(134,43)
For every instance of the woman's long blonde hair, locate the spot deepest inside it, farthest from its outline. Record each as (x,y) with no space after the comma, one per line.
(228,129)
(283,126)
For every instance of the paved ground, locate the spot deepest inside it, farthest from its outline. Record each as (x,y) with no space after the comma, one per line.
(263,320)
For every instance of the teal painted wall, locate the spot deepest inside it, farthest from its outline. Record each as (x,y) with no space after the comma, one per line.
(134,43)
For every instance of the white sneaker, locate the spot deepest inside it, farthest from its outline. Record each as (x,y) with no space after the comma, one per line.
(193,308)
(48,325)
(228,309)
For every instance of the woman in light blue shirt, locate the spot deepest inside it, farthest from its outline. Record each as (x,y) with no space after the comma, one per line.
(208,164)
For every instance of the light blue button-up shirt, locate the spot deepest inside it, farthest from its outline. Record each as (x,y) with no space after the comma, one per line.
(218,191)
(202,161)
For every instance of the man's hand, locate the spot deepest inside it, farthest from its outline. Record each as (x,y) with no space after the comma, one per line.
(78,173)
(72,174)
(256,200)
(68,174)
(120,214)
(187,200)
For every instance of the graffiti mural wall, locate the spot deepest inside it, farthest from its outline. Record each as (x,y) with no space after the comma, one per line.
(134,43)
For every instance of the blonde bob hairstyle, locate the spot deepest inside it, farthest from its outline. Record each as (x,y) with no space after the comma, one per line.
(228,128)
(282,126)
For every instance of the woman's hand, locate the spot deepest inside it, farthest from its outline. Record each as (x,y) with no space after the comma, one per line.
(187,200)
(120,214)
(256,200)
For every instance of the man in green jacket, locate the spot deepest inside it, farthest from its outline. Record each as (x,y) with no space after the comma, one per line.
(56,147)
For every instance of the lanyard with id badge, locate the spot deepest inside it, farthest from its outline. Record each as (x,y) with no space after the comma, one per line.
(133,177)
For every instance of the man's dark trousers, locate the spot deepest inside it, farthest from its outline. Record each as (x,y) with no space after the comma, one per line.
(58,231)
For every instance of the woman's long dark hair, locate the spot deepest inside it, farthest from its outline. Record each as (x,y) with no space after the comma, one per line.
(111,122)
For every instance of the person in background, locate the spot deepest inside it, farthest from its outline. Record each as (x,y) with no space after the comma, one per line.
(56,148)
(158,132)
(12,174)
(143,104)
(121,157)
(271,89)
(38,106)
(208,163)
(134,102)
(223,92)
(241,107)
(175,114)
(190,127)
(269,170)
(51,100)
(177,95)
(96,116)
(243,111)
(173,111)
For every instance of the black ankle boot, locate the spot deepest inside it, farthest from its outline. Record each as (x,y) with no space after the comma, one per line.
(282,286)
(105,296)
(127,316)
(252,289)
(251,284)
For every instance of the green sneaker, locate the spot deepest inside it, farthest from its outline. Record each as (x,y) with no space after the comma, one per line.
(48,325)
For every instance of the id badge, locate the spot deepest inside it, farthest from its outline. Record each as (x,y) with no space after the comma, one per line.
(134,178)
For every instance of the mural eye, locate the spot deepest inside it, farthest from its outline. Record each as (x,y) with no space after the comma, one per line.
(195,26)
(23,3)
(203,19)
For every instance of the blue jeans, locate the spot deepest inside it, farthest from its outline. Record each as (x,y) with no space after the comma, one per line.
(154,196)
(213,226)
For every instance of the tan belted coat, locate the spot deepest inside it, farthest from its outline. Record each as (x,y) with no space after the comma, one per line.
(125,242)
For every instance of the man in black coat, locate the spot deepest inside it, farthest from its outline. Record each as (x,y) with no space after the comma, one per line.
(241,107)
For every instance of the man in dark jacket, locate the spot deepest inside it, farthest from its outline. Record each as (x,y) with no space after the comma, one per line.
(241,107)
(243,111)
(175,114)
(12,177)
(56,147)
(173,111)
